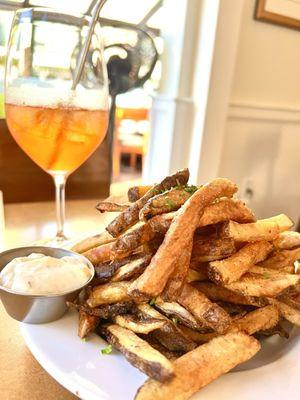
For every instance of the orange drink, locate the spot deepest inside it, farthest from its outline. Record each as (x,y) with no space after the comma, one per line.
(58,139)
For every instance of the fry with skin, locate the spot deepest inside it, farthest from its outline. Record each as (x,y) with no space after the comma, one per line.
(177,280)
(175,310)
(132,323)
(170,355)
(105,311)
(201,366)
(219,293)
(281,259)
(132,269)
(264,229)
(257,320)
(138,352)
(198,337)
(220,211)
(108,270)
(168,335)
(109,206)
(153,280)
(287,240)
(232,268)
(226,209)
(87,324)
(99,254)
(269,272)
(136,192)
(291,314)
(142,234)
(92,241)
(261,319)
(109,293)
(211,248)
(196,275)
(211,314)
(130,216)
(263,286)
(165,202)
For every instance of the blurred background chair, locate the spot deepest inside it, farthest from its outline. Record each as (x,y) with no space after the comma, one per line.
(130,137)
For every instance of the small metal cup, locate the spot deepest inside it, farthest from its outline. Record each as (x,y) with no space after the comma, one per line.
(38,309)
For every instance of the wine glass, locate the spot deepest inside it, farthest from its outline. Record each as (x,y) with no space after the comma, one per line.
(57,127)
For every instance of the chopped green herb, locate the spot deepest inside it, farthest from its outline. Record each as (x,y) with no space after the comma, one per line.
(191,189)
(175,320)
(266,275)
(152,301)
(169,203)
(83,339)
(107,349)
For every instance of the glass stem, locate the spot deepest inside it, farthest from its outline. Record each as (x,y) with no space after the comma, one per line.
(60,184)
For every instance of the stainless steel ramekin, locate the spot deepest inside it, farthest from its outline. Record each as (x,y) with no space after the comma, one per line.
(38,309)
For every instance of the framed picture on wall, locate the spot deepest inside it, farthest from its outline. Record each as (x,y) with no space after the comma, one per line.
(281,12)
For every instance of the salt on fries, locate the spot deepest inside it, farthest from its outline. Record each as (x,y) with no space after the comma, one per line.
(185,276)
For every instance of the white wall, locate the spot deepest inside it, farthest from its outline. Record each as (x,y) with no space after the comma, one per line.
(261,148)
(267,70)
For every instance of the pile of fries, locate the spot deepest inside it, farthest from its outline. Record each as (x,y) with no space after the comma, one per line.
(186,282)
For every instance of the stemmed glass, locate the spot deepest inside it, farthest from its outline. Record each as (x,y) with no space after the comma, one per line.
(58,127)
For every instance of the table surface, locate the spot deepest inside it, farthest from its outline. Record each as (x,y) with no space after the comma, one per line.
(21,375)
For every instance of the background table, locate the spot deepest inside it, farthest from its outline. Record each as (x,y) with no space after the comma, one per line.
(21,375)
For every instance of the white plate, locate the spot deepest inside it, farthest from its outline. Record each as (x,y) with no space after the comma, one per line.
(81,368)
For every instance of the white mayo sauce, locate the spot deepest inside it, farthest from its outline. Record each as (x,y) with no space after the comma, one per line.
(40,274)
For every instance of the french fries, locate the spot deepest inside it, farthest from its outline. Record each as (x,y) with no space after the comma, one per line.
(265,229)
(169,335)
(199,367)
(287,240)
(208,313)
(99,254)
(144,326)
(219,293)
(138,352)
(109,206)
(136,192)
(105,311)
(232,268)
(226,209)
(211,248)
(109,293)
(142,234)
(166,202)
(175,310)
(131,269)
(186,274)
(152,282)
(93,241)
(130,216)
(291,314)
(281,259)
(256,285)
(257,320)
(177,280)
(197,275)
(87,324)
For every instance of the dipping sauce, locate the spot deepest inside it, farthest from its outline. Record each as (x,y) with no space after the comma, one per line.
(40,274)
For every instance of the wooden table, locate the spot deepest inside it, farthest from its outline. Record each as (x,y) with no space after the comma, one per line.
(21,375)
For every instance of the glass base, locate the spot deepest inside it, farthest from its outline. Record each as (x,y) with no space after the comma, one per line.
(57,241)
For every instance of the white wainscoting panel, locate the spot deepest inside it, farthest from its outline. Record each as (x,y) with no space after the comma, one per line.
(261,153)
